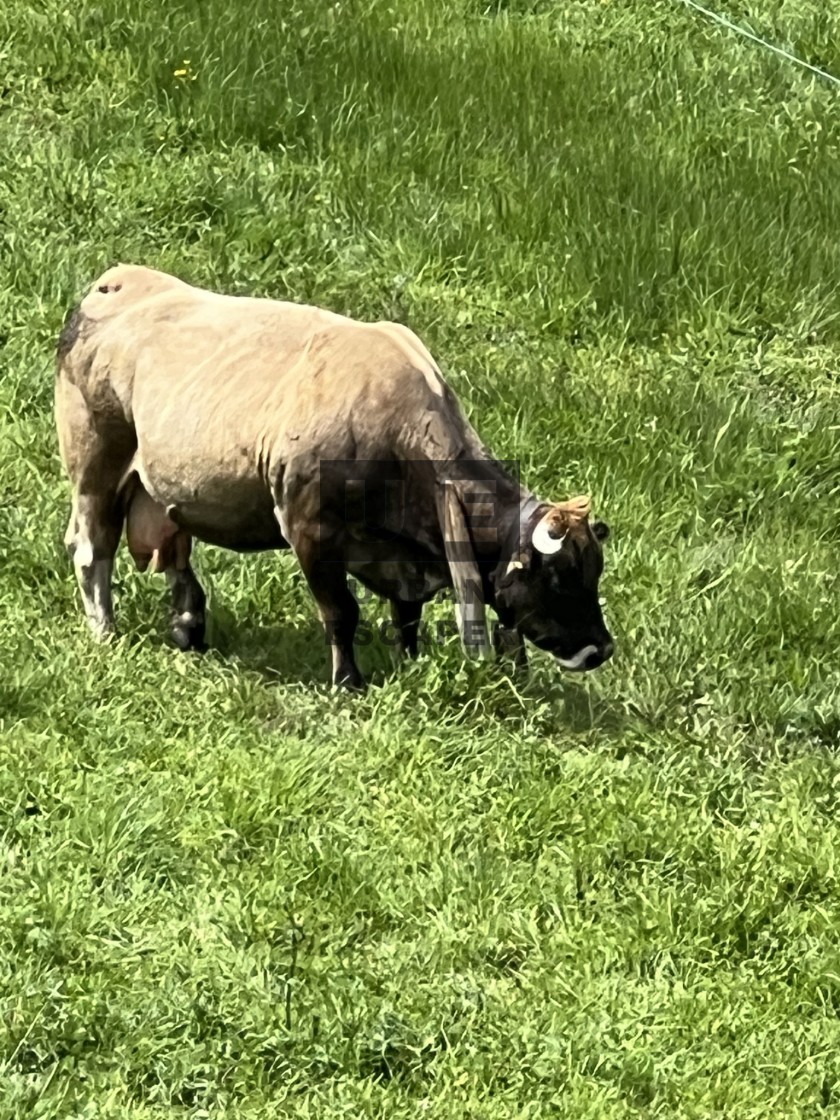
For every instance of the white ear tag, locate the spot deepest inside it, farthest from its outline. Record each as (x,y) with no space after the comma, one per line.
(543,541)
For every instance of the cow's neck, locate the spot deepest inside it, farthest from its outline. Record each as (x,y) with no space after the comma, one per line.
(513,509)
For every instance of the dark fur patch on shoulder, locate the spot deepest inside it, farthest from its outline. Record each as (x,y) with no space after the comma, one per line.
(74,325)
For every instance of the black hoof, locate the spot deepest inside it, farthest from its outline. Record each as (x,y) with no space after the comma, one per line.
(351,682)
(188,638)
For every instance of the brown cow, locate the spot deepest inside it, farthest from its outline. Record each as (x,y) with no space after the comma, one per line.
(254,424)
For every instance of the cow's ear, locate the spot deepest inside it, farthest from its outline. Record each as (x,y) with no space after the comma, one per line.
(601,531)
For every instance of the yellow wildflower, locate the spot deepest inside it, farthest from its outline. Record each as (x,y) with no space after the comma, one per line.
(185,71)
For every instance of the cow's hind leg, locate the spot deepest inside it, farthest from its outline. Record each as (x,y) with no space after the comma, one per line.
(95,452)
(92,538)
(155,541)
(188,607)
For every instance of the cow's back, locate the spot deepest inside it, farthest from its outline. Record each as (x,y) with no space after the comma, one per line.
(170,345)
(227,393)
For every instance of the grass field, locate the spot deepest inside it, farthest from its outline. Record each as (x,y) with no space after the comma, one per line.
(227,892)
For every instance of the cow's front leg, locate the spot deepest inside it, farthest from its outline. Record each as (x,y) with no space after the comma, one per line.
(92,538)
(340,615)
(327,578)
(406,615)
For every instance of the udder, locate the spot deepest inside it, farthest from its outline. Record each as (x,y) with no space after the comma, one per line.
(153,538)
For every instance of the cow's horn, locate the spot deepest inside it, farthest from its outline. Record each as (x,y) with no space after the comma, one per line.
(576,509)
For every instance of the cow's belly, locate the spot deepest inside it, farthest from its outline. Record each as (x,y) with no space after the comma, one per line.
(414,582)
(226,508)
(242,528)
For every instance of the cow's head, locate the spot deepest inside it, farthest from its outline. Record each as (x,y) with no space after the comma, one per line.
(548,588)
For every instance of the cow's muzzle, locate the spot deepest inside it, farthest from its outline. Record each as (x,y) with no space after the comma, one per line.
(589,657)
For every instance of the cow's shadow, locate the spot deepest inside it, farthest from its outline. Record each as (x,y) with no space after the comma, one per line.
(297,652)
(291,651)
(283,652)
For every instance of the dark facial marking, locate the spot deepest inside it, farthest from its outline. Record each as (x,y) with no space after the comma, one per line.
(582,561)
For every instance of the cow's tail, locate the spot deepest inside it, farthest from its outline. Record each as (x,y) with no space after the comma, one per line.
(466,577)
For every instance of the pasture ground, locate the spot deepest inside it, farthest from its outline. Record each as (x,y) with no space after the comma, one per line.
(226,892)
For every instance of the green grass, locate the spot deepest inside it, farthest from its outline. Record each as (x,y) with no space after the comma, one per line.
(226,892)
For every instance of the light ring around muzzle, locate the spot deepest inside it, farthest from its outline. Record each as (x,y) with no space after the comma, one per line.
(543,541)
(578,662)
